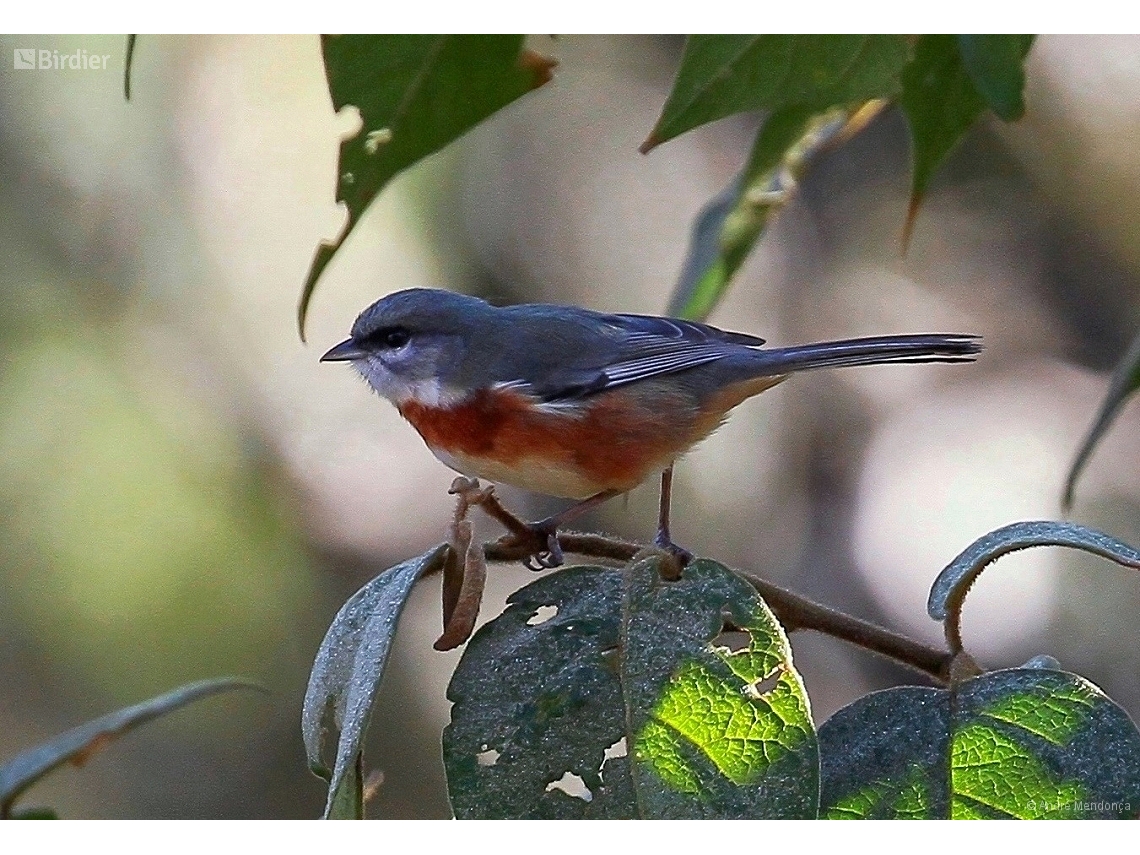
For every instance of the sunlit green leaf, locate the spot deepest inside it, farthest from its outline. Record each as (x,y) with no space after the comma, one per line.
(78,744)
(725,74)
(1125,382)
(623,703)
(346,675)
(884,757)
(1023,743)
(415,94)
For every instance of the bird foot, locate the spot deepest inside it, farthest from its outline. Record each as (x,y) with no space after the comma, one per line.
(677,558)
(548,552)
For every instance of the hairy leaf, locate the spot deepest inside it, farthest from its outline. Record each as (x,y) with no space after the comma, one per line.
(600,693)
(950,588)
(347,674)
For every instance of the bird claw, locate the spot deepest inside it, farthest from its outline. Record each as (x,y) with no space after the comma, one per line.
(551,556)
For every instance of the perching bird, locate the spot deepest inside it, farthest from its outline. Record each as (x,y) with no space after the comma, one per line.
(575,403)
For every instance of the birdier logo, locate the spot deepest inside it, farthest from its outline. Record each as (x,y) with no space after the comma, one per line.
(52,60)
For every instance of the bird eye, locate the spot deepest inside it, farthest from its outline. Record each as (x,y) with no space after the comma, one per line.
(396,338)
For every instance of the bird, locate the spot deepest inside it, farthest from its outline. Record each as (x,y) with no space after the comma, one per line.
(575,403)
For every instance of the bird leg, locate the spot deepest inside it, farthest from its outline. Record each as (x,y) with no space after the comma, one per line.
(663,540)
(546,531)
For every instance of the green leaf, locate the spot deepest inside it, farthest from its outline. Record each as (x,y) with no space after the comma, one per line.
(941,101)
(1022,743)
(995,64)
(625,704)
(723,75)
(1125,382)
(415,94)
(78,744)
(346,675)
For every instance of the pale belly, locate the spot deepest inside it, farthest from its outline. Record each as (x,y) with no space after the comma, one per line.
(528,473)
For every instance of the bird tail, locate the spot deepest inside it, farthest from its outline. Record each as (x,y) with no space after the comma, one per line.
(931,347)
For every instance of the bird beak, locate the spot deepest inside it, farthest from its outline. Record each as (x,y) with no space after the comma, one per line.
(346,351)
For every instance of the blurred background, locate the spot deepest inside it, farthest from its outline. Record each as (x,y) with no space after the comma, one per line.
(186,492)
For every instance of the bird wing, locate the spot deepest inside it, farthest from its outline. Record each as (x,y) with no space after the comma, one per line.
(638,347)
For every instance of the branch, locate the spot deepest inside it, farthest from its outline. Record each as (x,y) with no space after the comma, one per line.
(796,613)
(791,610)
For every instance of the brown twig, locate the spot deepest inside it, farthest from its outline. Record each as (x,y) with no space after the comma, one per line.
(511,548)
(494,509)
(793,611)
(796,613)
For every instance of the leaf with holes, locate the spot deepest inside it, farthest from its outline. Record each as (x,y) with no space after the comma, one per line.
(1125,382)
(78,744)
(722,75)
(1024,743)
(415,94)
(601,693)
(347,674)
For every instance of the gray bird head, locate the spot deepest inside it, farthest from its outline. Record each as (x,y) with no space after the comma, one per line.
(412,345)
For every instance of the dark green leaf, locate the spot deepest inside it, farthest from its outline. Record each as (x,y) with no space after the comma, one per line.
(415,94)
(995,64)
(941,101)
(1125,382)
(1023,743)
(723,75)
(347,673)
(884,757)
(348,798)
(78,744)
(622,704)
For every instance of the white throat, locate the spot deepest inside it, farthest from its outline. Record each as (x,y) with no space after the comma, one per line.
(429,392)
